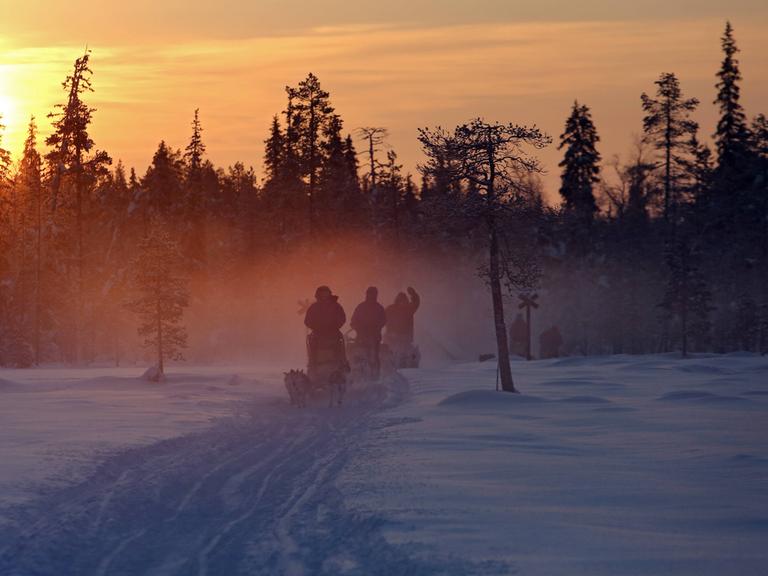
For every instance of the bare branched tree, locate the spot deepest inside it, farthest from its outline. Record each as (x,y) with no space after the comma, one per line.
(489,158)
(374,136)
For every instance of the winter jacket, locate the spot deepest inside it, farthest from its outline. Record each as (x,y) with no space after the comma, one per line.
(400,316)
(325,317)
(368,320)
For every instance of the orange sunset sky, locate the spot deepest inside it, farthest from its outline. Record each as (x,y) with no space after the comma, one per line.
(400,64)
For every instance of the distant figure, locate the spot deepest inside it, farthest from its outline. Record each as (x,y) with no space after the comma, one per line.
(367,322)
(324,318)
(550,342)
(518,336)
(400,319)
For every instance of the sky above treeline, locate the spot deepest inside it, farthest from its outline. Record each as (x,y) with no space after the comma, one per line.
(399,64)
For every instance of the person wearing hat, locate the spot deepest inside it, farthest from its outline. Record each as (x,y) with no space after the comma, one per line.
(367,321)
(400,319)
(324,318)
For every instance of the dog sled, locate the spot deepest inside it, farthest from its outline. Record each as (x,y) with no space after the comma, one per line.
(326,374)
(394,355)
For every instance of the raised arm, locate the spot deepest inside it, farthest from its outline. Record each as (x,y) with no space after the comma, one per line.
(415,298)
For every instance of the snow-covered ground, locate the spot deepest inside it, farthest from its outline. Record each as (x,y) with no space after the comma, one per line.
(616,465)
(55,423)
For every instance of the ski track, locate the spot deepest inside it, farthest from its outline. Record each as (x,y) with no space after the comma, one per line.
(252,495)
(107,498)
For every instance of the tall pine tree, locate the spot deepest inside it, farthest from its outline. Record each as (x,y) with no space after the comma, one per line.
(732,133)
(196,196)
(310,116)
(668,127)
(75,166)
(581,163)
(33,233)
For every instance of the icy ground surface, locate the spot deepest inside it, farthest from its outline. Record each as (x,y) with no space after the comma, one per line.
(604,466)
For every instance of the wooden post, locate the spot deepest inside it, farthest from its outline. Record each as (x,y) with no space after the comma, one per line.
(528,301)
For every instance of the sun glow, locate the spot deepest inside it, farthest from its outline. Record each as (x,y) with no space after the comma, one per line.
(9,119)
(7,109)
(25,90)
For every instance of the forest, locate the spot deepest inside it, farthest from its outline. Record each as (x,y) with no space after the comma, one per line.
(666,251)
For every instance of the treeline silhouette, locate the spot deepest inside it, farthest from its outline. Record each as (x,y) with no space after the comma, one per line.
(665,251)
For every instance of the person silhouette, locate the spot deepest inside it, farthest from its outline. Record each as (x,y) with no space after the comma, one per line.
(367,321)
(324,318)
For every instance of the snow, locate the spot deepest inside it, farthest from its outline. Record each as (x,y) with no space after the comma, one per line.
(58,422)
(617,465)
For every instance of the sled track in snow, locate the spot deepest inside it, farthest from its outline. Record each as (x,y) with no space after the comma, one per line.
(253,495)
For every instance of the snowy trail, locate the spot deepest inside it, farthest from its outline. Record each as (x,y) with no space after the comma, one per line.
(604,466)
(255,494)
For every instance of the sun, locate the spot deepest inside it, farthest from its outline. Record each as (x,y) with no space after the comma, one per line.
(7,110)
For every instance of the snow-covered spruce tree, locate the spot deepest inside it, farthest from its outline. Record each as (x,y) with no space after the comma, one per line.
(161,296)
(491,157)
(580,164)
(668,127)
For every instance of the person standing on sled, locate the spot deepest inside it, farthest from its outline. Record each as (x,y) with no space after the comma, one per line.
(324,318)
(400,320)
(367,322)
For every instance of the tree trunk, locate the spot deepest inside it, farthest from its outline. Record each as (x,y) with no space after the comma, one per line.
(528,335)
(160,366)
(312,153)
(684,307)
(116,346)
(373,164)
(505,369)
(79,297)
(667,168)
(38,273)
